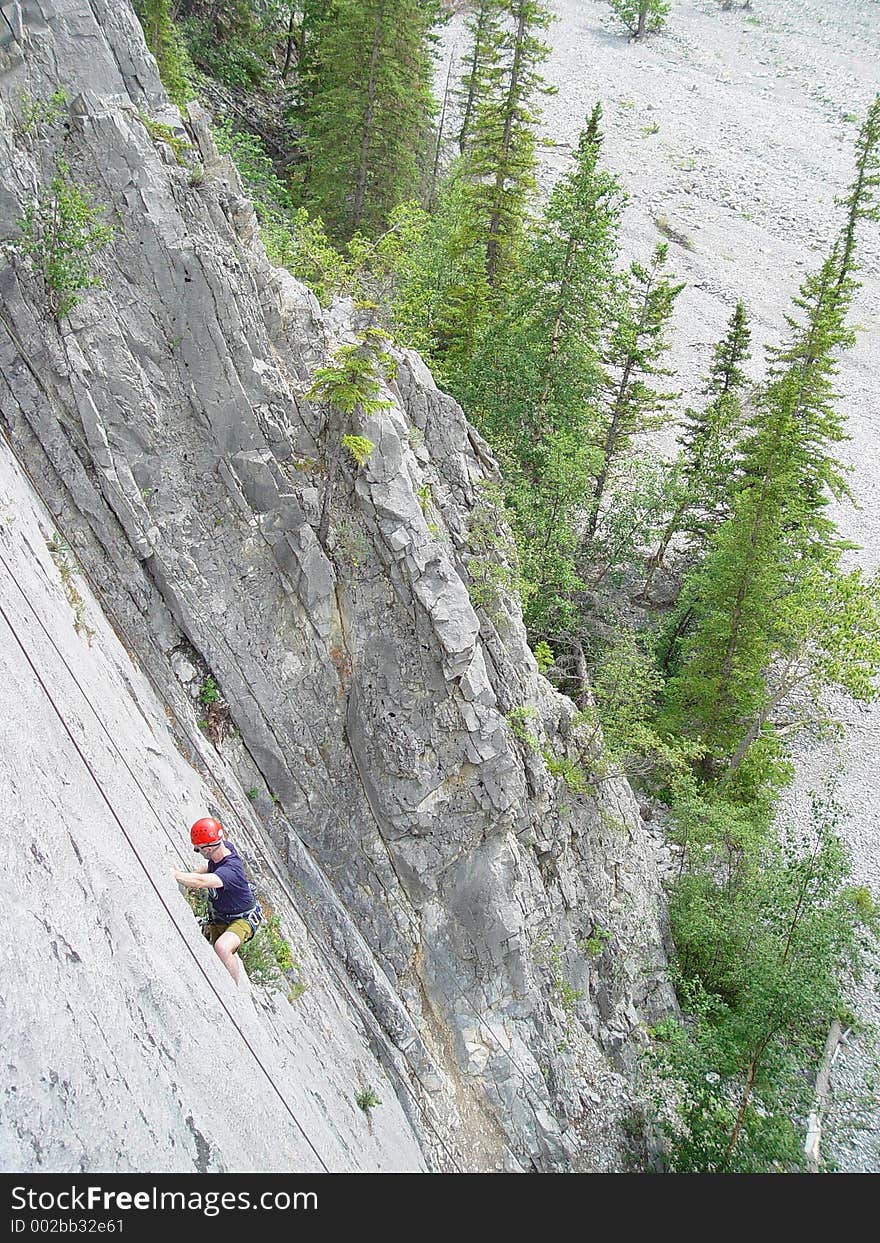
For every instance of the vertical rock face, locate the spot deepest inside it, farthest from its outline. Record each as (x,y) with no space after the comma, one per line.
(424,839)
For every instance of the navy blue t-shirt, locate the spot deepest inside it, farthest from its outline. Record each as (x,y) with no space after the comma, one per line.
(236,895)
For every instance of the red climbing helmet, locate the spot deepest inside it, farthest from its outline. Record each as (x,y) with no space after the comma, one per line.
(206,832)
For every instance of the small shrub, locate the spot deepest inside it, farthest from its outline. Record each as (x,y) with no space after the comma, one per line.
(517,719)
(543,654)
(62,555)
(359,447)
(351,545)
(571,773)
(267,956)
(425,497)
(217,721)
(61,233)
(367,1100)
(164,133)
(594,944)
(39,114)
(209,693)
(253,793)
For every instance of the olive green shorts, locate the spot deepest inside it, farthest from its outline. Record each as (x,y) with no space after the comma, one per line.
(240,927)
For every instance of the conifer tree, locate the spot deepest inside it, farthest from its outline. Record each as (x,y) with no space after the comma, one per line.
(637,342)
(706,466)
(501,152)
(534,379)
(862,200)
(366,120)
(778,622)
(641,17)
(306,23)
(167,47)
(482,63)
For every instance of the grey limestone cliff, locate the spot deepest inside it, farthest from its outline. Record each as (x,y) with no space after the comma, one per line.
(443,876)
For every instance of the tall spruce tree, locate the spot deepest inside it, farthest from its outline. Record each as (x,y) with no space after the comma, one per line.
(777,621)
(501,150)
(534,379)
(706,466)
(307,21)
(636,344)
(366,120)
(483,69)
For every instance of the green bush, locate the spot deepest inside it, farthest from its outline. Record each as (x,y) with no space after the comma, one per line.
(268,959)
(367,1100)
(209,692)
(39,114)
(767,931)
(234,45)
(61,233)
(641,16)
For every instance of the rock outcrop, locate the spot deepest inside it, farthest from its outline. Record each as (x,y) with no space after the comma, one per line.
(387,721)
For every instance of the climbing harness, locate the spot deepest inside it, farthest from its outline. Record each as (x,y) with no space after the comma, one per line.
(254,916)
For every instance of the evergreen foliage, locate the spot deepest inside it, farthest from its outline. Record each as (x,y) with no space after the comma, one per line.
(641,17)
(349,386)
(168,47)
(483,72)
(776,622)
(535,373)
(438,298)
(632,358)
(366,113)
(501,144)
(704,476)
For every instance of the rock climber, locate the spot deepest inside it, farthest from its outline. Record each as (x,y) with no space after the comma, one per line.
(233,911)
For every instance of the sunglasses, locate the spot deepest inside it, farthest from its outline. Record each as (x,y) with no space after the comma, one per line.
(209,847)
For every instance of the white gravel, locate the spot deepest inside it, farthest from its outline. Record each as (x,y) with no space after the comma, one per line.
(738,128)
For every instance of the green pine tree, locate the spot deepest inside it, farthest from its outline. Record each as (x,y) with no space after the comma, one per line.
(168,48)
(775,620)
(367,112)
(483,70)
(501,154)
(636,344)
(705,471)
(535,375)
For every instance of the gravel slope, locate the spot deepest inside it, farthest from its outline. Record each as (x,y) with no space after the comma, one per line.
(738,129)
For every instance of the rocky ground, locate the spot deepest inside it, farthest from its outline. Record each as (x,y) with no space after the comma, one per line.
(733,134)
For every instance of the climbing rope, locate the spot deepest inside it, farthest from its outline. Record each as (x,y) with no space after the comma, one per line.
(143,865)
